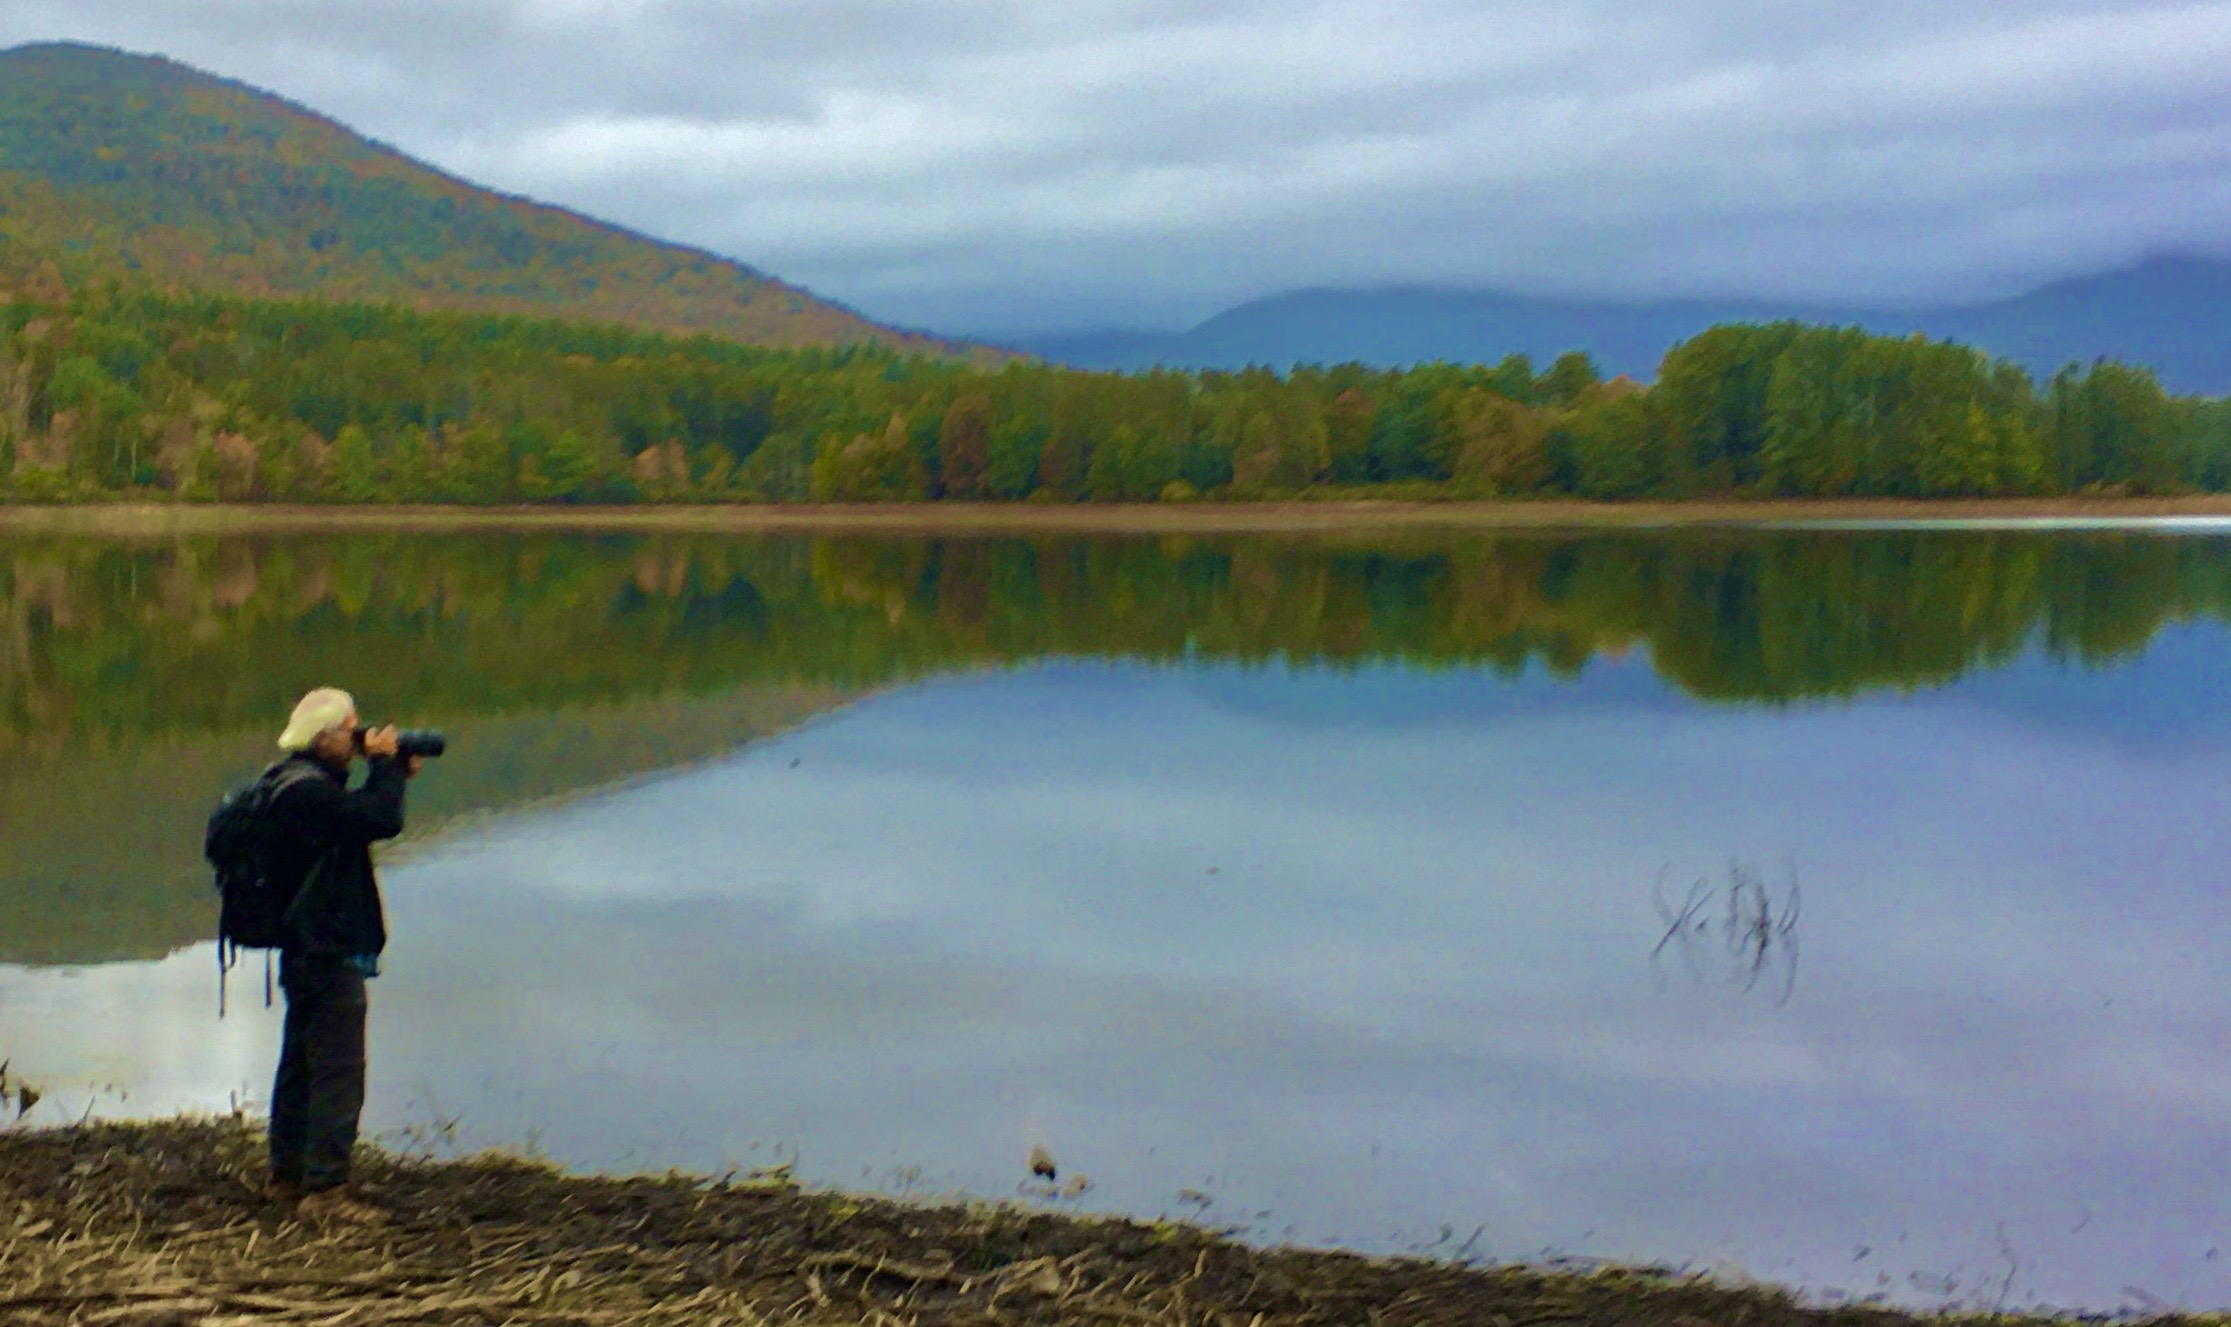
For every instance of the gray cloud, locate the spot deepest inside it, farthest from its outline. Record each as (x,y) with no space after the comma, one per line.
(993,166)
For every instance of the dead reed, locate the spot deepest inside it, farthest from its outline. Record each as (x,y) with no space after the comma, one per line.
(162,1225)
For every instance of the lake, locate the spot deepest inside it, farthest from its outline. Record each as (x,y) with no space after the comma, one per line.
(1841,908)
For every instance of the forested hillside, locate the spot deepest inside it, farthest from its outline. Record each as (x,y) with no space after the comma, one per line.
(121,391)
(121,165)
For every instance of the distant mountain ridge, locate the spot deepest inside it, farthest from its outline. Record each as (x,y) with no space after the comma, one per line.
(2172,314)
(114,164)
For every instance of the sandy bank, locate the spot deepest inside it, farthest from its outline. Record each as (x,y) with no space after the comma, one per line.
(129,520)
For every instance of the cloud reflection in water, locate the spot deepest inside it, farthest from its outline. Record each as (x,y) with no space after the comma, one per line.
(1414,991)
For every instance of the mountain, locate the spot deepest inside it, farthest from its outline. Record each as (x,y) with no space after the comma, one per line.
(2172,314)
(119,164)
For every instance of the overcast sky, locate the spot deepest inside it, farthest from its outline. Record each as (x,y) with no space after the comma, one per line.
(995,166)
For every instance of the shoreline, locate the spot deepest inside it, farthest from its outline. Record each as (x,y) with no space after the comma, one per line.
(932,518)
(163,1222)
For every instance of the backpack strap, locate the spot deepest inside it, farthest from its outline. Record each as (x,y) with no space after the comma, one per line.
(291,776)
(286,774)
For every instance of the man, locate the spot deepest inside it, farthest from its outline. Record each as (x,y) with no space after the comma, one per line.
(322,834)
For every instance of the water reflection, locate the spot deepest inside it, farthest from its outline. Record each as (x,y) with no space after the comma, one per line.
(137,678)
(201,634)
(1365,948)
(1754,934)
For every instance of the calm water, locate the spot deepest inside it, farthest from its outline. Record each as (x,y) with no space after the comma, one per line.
(1371,891)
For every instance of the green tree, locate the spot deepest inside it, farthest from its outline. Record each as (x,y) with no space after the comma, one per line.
(872,467)
(114,388)
(1011,466)
(355,469)
(477,465)
(1570,378)
(1610,442)
(558,468)
(779,470)
(1712,401)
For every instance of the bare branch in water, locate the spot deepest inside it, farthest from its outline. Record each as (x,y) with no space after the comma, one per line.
(1757,932)
(1678,925)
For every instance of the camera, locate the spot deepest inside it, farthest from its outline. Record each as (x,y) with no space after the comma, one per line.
(420,742)
(425,742)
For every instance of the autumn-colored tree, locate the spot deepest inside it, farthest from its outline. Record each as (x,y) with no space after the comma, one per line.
(123,389)
(1348,425)
(964,446)
(230,466)
(1062,462)
(872,467)
(1283,445)
(1504,443)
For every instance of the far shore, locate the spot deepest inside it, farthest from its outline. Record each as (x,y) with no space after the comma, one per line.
(159,519)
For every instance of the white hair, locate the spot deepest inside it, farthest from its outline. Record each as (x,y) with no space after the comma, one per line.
(318,713)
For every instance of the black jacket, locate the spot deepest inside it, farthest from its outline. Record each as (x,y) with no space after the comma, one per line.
(320,819)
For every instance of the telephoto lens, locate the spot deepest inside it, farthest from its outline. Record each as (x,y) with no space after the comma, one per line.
(420,742)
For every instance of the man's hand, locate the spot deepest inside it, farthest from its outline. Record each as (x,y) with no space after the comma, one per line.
(379,743)
(412,766)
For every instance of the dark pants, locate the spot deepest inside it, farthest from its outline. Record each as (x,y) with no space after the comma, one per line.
(319,1092)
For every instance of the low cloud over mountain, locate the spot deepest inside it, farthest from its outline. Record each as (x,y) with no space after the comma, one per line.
(2170,314)
(988,166)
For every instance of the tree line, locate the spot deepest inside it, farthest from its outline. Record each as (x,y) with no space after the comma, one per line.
(209,398)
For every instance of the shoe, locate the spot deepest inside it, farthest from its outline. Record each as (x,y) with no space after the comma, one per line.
(338,1206)
(282,1193)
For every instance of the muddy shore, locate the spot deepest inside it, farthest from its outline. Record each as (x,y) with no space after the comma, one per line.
(162,1223)
(146,519)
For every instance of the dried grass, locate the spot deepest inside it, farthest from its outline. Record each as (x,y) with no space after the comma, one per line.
(162,1224)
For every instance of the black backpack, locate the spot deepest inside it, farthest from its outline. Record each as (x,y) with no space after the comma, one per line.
(252,902)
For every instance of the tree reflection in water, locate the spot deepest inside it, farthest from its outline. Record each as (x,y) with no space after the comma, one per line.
(143,673)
